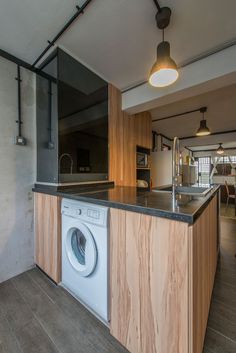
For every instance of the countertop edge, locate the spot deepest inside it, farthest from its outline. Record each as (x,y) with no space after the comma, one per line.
(181,217)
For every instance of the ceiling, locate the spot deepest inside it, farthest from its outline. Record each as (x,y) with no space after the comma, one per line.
(220,115)
(116,38)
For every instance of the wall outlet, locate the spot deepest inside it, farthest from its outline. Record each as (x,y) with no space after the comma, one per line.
(51,145)
(19,140)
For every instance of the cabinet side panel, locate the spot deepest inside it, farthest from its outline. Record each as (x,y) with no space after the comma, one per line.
(204,261)
(48,235)
(149,283)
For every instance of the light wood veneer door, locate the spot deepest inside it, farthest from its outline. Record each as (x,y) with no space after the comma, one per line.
(149,283)
(48,235)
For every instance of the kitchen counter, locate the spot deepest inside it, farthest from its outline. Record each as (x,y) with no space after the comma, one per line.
(187,209)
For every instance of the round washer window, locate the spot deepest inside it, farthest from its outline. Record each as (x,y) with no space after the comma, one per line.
(78,245)
(81,250)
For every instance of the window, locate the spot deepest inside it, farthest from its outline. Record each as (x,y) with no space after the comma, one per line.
(226,159)
(204,169)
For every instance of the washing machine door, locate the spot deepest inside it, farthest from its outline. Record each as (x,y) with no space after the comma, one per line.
(81,250)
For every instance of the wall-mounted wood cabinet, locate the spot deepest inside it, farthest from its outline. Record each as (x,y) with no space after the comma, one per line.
(48,234)
(143,130)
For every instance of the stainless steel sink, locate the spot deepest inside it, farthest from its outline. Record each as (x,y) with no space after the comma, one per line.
(186,190)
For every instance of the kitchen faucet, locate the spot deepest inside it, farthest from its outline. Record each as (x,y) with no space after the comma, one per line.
(175,166)
(71,161)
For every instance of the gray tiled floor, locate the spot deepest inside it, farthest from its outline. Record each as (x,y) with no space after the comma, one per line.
(38,317)
(221,331)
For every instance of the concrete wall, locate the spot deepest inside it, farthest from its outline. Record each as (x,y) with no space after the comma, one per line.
(17,173)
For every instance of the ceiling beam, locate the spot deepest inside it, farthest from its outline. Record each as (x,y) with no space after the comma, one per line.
(212,134)
(203,76)
(215,149)
(192,60)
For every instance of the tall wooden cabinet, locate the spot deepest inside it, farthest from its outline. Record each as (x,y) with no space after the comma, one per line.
(48,235)
(126,132)
(162,275)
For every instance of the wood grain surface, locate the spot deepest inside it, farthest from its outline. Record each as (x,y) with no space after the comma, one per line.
(149,283)
(48,235)
(125,133)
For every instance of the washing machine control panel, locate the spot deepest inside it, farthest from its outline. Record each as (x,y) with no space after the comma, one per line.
(93,214)
(85,212)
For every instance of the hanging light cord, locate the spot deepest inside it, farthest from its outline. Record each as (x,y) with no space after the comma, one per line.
(157,5)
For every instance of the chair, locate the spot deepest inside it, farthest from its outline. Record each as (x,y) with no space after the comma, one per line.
(229,196)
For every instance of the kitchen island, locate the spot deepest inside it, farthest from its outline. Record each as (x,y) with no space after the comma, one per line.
(162,264)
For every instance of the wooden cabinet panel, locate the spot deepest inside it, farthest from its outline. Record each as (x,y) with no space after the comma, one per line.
(203,261)
(125,133)
(48,235)
(143,130)
(162,276)
(149,283)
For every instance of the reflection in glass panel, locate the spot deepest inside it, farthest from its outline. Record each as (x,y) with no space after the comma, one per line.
(83,122)
(47,123)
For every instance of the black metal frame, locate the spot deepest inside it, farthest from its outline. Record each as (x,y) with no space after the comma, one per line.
(19,121)
(194,136)
(202,109)
(4,54)
(157,5)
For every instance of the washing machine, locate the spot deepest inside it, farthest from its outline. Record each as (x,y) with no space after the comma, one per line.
(85,254)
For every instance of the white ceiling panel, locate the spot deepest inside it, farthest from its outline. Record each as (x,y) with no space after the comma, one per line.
(116,38)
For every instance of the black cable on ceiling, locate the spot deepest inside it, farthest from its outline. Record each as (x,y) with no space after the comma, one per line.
(157,5)
(181,114)
(80,10)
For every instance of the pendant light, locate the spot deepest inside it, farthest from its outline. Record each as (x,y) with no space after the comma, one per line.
(203,129)
(220,149)
(164,71)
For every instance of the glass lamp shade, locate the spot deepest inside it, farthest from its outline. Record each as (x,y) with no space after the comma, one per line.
(164,72)
(203,129)
(220,149)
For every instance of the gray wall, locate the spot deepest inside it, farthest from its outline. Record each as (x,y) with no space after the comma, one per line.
(17,173)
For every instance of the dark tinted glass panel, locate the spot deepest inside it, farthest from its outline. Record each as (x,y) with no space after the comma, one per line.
(83,122)
(47,128)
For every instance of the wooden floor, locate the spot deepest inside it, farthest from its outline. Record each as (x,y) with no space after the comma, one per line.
(38,317)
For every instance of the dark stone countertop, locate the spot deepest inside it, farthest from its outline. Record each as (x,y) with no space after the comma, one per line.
(157,204)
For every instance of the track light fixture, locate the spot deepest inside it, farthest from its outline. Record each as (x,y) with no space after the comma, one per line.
(203,129)
(220,149)
(164,72)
